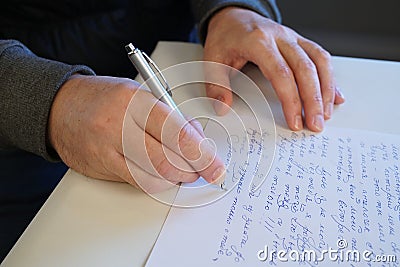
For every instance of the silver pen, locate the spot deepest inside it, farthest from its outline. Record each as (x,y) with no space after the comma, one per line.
(152,75)
(154,79)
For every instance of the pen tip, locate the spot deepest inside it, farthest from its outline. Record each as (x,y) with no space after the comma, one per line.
(223,187)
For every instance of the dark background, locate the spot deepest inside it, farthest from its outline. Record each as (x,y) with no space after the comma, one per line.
(368,29)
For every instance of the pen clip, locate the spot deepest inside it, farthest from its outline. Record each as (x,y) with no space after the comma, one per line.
(158,72)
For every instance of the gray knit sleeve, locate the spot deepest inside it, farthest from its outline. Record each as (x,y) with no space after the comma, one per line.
(204,9)
(28,85)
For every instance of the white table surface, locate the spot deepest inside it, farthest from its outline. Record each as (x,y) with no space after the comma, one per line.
(87,222)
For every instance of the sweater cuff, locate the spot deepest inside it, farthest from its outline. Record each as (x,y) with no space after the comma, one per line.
(27,90)
(205,9)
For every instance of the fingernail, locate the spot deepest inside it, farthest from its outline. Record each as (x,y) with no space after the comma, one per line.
(339,92)
(328,110)
(298,122)
(318,122)
(219,175)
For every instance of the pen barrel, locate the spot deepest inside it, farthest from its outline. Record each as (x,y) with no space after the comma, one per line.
(152,81)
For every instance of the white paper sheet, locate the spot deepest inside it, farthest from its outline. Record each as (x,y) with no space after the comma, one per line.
(335,194)
(338,185)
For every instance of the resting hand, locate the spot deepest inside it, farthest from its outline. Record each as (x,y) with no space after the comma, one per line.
(299,70)
(85,128)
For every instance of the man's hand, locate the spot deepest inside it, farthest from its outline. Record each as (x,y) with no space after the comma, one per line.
(299,70)
(160,147)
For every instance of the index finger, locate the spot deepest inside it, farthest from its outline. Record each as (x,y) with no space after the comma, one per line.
(306,76)
(274,67)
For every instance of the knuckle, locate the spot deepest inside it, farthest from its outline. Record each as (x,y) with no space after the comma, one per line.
(331,89)
(280,29)
(295,101)
(317,98)
(185,134)
(285,33)
(323,55)
(292,101)
(329,93)
(258,34)
(163,168)
(185,139)
(307,65)
(282,70)
(277,31)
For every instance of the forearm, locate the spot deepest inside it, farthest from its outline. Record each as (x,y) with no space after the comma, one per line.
(203,10)
(28,85)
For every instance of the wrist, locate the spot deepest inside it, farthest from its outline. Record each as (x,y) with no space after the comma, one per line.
(62,99)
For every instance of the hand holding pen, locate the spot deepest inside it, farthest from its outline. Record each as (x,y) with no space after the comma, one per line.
(160,89)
